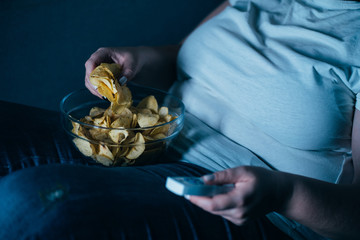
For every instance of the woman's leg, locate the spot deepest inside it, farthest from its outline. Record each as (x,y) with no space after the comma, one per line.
(82,202)
(32,136)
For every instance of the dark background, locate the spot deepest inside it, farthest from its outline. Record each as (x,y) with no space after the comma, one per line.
(44,44)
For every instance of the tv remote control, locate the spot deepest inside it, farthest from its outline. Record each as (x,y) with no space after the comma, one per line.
(195,186)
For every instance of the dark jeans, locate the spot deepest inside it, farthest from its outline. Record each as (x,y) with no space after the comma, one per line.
(67,196)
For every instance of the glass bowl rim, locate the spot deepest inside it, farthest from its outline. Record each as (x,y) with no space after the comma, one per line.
(68,116)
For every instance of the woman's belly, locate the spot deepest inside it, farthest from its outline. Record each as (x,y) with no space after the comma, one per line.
(294,98)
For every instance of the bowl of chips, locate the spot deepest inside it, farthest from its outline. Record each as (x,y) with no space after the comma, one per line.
(135,132)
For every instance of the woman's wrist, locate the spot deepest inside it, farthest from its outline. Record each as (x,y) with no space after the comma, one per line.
(283,192)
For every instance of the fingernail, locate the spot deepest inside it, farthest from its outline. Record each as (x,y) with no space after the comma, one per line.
(122,80)
(187,197)
(208,177)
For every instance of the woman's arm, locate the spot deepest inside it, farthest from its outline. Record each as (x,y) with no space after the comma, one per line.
(356,146)
(332,210)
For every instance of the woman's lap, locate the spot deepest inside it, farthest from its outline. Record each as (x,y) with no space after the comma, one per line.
(31,137)
(71,198)
(90,202)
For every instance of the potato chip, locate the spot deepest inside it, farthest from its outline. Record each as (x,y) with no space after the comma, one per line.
(105,151)
(113,69)
(149,103)
(87,119)
(116,108)
(118,136)
(124,96)
(100,121)
(76,128)
(104,78)
(84,146)
(106,92)
(130,138)
(79,130)
(164,129)
(167,118)
(103,160)
(123,120)
(158,136)
(99,134)
(96,112)
(147,120)
(154,137)
(163,112)
(99,73)
(120,152)
(104,155)
(138,148)
(134,121)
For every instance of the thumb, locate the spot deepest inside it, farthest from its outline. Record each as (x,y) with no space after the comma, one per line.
(231,175)
(218,178)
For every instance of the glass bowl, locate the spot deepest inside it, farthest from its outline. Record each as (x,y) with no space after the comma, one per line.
(141,150)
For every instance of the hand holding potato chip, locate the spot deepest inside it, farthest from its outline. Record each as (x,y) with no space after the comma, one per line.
(116,137)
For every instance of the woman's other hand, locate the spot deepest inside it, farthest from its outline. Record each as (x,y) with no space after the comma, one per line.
(256,193)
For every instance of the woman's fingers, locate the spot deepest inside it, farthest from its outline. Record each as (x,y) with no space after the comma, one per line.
(249,199)
(219,202)
(226,176)
(224,206)
(237,222)
(100,56)
(95,59)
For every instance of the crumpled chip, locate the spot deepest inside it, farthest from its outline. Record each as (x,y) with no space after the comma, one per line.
(123,120)
(76,128)
(100,121)
(163,112)
(99,134)
(124,96)
(163,129)
(149,103)
(118,135)
(105,91)
(138,148)
(96,112)
(113,69)
(104,155)
(104,78)
(123,99)
(147,119)
(85,147)
(134,121)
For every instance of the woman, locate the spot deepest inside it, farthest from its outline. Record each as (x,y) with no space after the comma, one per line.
(271,92)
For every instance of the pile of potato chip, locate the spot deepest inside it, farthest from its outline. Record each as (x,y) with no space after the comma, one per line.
(112,136)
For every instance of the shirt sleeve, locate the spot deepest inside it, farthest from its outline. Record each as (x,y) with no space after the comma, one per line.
(357,103)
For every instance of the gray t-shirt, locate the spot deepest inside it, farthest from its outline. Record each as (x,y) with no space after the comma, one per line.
(274,84)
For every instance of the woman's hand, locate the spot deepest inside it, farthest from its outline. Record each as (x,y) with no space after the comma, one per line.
(154,66)
(256,193)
